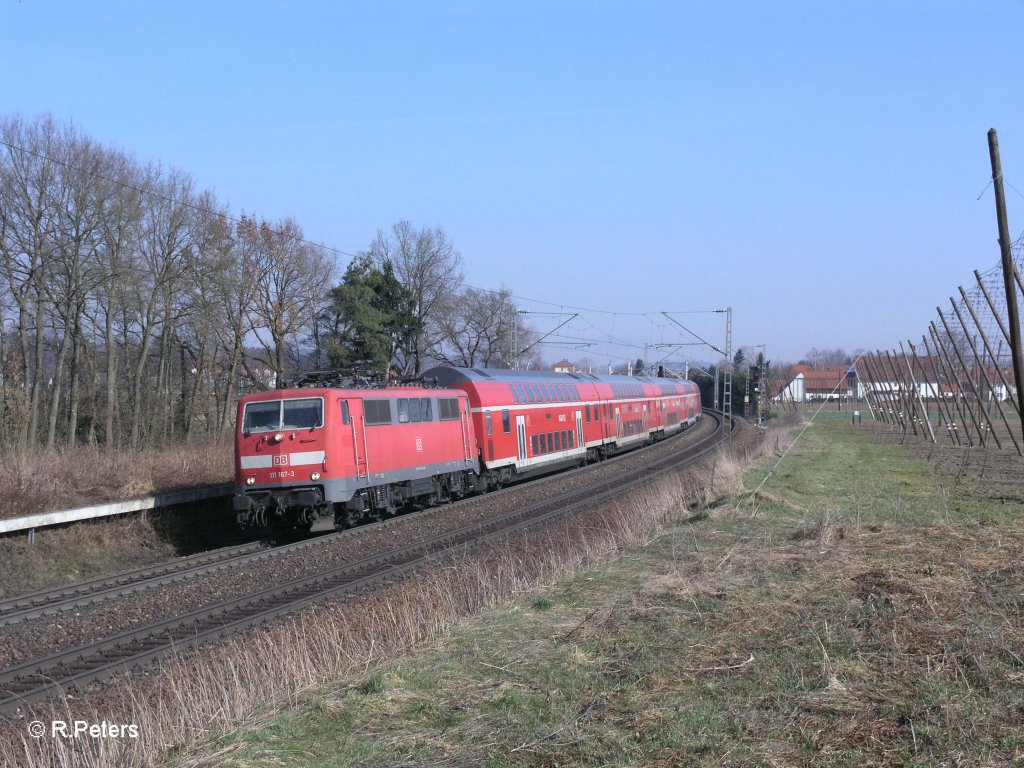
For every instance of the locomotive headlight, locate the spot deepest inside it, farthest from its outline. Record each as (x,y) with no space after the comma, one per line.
(278,437)
(250,480)
(315,476)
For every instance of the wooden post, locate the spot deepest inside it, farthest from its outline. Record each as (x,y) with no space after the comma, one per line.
(983,376)
(951,376)
(1013,318)
(940,399)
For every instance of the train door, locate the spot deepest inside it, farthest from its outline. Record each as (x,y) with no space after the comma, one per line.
(521,435)
(352,421)
(618,423)
(580,439)
(646,426)
(466,431)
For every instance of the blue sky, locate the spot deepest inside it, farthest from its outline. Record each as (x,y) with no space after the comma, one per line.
(814,165)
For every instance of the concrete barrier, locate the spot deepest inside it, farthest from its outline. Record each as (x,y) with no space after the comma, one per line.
(31,522)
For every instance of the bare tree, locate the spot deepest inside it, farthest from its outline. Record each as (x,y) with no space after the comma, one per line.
(292,278)
(820,359)
(75,274)
(475,328)
(29,203)
(158,271)
(121,206)
(430,268)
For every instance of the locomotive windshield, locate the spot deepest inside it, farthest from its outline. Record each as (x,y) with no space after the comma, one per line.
(276,415)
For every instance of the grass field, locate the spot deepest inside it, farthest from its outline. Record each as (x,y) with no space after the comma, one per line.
(855,610)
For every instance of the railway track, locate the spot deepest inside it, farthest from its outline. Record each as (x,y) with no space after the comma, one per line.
(71,596)
(76,667)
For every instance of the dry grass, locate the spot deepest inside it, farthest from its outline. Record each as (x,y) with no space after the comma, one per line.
(41,481)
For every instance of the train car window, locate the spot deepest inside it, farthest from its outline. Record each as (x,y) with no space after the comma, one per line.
(515,394)
(488,417)
(346,417)
(425,409)
(403,410)
(506,422)
(558,441)
(376,412)
(414,410)
(307,413)
(572,439)
(533,440)
(543,443)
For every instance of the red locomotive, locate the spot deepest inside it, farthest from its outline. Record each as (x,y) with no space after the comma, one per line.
(321,455)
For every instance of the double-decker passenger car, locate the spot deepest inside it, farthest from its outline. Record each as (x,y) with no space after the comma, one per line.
(321,456)
(529,421)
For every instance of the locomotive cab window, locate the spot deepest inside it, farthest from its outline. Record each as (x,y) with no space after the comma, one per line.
(303,414)
(274,415)
(262,417)
(346,417)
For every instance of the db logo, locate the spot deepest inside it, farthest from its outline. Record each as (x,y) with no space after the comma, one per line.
(281,461)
